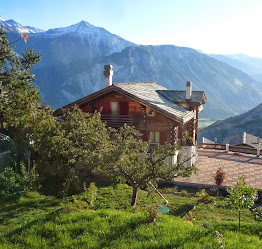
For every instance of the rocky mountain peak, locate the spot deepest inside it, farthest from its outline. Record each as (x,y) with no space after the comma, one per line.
(15,27)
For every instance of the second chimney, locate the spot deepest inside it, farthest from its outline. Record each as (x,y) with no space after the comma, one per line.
(188,90)
(108,72)
(244,138)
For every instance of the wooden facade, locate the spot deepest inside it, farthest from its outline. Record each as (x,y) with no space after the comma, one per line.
(161,115)
(117,109)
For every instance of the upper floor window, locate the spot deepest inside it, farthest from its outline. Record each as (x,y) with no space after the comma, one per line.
(154,137)
(114,108)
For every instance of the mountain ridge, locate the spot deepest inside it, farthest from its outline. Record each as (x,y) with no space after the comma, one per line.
(72,67)
(13,26)
(249,122)
(250,65)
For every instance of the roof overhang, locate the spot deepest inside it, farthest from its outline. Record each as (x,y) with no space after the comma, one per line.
(113,88)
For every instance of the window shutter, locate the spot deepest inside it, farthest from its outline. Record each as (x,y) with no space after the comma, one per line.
(123,108)
(144,135)
(163,137)
(106,108)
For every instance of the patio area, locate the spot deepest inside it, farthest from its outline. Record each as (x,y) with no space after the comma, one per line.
(233,163)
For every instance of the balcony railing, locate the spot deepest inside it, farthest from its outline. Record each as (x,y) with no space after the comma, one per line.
(117,120)
(231,148)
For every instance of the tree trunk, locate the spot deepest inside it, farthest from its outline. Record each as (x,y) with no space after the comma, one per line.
(239,220)
(217,191)
(134,196)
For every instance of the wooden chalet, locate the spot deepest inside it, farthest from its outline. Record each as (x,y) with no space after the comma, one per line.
(161,115)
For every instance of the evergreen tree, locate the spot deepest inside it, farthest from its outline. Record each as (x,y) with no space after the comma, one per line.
(18,94)
(19,98)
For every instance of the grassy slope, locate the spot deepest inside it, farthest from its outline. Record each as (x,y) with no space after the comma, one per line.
(36,221)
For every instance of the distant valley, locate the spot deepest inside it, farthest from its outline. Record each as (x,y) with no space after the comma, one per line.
(73,60)
(250,122)
(249,65)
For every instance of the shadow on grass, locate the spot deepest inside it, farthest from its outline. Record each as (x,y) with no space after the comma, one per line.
(181,210)
(13,207)
(38,220)
(117,231)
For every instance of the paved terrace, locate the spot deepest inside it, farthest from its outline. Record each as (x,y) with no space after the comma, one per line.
(234,164)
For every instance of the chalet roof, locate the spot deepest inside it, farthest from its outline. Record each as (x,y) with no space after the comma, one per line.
(198,97)
(149,94)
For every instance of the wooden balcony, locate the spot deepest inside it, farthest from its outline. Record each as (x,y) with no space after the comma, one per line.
(117,120)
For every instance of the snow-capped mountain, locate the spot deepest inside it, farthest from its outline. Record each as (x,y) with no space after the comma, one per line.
(83,29)
(94,37)
(74,57)
(13,26)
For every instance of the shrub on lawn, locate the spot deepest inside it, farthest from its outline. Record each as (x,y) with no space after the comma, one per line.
(13,184)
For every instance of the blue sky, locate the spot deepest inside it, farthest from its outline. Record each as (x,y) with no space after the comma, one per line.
(214,26)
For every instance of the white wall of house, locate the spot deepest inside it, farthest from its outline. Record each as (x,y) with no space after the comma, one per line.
(188,153)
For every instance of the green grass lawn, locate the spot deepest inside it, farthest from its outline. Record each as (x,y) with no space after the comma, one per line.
(37,221)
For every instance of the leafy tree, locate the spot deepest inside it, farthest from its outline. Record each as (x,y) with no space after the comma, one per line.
(242,196)
(68,147)
(133,160)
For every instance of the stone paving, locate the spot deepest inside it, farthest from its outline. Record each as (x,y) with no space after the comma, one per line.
(234,164)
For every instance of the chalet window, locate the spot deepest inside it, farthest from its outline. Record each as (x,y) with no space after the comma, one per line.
(154,137)
(114,108)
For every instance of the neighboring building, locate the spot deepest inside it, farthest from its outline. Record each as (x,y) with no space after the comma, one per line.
(161,115)
(208,141)
(245,140)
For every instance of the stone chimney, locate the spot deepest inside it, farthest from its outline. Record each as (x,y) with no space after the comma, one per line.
(108,72)
(244,137)
(188,90)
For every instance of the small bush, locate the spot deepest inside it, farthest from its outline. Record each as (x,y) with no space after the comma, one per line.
(28,178)
(13,184)
(202,193)
(152,213)
(9,183)
(257,211)
(184,192)
(91,194)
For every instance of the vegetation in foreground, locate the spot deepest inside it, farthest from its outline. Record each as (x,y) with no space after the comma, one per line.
(68,149)
(37,221)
